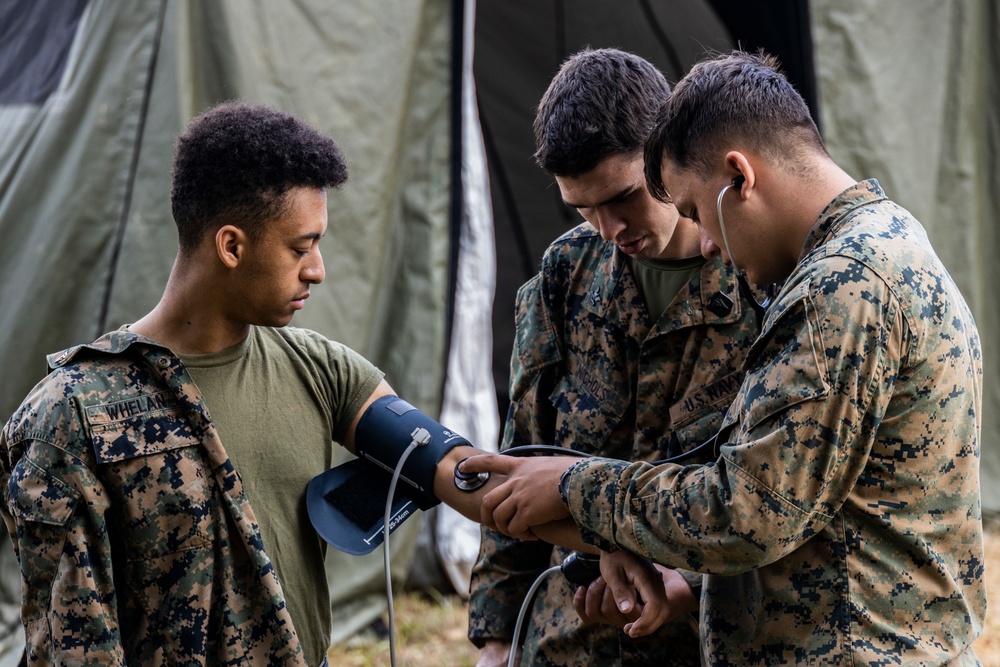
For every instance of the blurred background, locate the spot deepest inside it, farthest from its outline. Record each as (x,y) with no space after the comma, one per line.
(445,213)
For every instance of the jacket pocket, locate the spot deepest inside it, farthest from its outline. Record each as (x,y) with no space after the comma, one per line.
(786,365)
(536,343)
(42,506)
(153,464)
(588,410)
(154,467)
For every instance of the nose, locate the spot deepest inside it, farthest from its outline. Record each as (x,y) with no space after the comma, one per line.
(314,271)
(609,225)
(708,248)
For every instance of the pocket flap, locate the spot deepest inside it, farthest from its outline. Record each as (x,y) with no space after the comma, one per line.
(141,426)
(791,351)
(536,343)
(37,496)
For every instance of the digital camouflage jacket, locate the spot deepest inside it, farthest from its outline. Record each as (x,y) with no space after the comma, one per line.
(841,524)
(592,371)
(136,541)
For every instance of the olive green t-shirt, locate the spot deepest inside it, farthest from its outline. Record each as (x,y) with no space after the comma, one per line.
(279,400)
(661,280)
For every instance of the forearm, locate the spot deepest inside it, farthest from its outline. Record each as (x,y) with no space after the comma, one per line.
(564,533)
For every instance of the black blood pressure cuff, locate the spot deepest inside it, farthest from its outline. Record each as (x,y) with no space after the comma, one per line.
(346,504)
(387,428)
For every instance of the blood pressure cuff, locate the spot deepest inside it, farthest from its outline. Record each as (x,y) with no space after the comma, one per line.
(346,504)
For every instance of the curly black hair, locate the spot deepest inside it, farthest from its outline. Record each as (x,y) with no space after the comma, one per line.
(235,163)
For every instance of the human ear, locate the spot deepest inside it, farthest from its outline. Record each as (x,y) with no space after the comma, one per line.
(741,171)
(230,244)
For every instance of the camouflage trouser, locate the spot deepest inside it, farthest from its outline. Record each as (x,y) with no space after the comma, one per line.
(556,638)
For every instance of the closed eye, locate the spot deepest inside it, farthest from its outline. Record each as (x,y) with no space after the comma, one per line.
(692,216)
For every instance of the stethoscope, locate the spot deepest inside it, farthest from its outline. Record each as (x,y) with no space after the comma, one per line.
(741,277)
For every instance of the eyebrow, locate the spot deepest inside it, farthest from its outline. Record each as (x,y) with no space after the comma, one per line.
(313,236)
(690,214)
(613,198)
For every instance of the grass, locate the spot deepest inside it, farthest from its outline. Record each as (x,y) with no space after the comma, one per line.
(431,629)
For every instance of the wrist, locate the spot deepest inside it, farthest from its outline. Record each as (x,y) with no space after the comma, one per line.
(684,598)
(444,474)
(564,485)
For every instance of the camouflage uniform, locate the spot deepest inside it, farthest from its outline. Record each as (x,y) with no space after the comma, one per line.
(593,371)
(841,524)
(136,541)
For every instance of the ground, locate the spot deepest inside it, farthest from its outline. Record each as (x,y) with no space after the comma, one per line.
(431,631)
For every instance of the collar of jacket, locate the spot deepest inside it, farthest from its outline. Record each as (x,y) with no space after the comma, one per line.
(113,342)
(716,299)
(838,212)
(168,366)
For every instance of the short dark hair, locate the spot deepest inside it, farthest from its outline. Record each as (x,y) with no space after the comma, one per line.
(235,163)
(602,102)
(729,100)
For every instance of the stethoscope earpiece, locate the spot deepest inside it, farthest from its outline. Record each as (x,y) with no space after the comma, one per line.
(741,277)
(722,226)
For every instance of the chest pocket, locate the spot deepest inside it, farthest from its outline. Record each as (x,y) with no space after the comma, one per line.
(703,409)
(536,345)
(154,468)
(588,409)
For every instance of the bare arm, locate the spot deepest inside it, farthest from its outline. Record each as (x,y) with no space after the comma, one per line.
(561,532)
(383,389)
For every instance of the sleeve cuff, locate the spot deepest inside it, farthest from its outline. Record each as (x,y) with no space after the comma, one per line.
(590,490)
(694,579)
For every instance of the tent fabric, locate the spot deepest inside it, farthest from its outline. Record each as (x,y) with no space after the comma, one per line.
(85,181)
(910,95)
(85,177)
(34,44)
(469,402)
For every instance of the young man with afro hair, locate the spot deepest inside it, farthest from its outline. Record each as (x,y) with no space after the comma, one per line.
(129,471)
